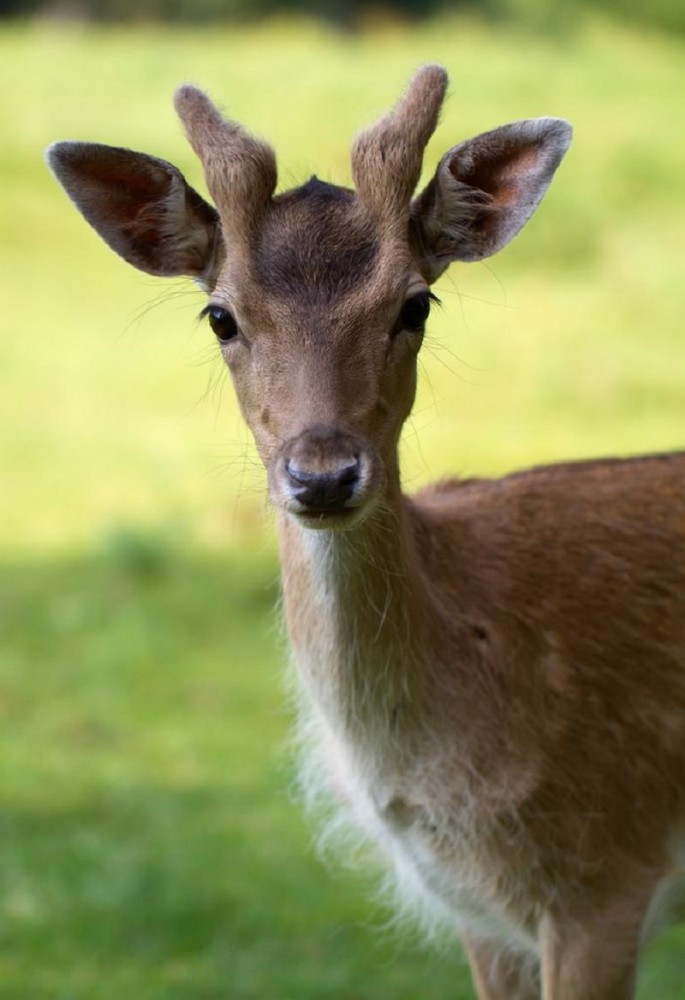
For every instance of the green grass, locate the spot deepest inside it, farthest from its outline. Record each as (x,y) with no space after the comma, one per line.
(150,846)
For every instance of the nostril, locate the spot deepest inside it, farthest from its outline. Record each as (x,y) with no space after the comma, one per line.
(349,474)
(296,475)
(299,476)
(323,491)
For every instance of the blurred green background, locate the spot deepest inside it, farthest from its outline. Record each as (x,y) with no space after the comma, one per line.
(151,846)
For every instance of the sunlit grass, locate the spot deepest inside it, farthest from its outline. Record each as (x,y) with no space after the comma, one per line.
(568,343)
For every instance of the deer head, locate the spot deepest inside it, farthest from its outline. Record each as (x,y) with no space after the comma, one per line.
(318,296)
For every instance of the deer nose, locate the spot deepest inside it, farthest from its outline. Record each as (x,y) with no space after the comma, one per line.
(323,491)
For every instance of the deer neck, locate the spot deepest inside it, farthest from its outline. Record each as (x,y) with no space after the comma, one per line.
(356,613)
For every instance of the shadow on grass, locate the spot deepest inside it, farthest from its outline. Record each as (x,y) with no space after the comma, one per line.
(150,842)
(150,845)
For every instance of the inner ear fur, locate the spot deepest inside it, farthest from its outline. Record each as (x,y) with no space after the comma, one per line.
(484,191)
(141,206)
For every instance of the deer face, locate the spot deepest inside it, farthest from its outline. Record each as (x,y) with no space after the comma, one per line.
(318,297)
(320,322)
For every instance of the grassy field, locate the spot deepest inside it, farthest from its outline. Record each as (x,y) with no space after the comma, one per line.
(150,844)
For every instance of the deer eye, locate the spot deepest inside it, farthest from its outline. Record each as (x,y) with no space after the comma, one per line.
(222,322)
(415,312)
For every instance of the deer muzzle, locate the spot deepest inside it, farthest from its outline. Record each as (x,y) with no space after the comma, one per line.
(325,476)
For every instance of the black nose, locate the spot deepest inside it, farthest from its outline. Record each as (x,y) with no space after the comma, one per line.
(323,491)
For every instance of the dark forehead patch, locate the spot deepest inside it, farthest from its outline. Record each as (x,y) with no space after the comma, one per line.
(315,244)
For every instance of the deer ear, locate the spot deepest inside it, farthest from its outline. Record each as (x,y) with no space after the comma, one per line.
(141,206)
(484,191)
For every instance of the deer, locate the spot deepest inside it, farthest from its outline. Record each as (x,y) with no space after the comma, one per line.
(491,673)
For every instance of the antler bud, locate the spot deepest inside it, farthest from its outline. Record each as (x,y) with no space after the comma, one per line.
(240,170)
(387,157)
